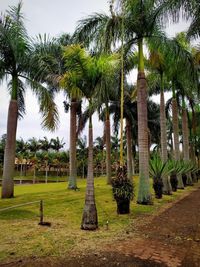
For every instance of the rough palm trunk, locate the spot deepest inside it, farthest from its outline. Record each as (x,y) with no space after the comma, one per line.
(89,219)
(9,156)
(176,138)
(108,148)
(73,170)
(185,132)
(144,195)
(129,150)
(166,183)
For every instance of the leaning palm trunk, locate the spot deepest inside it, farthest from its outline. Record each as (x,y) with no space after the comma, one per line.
(9,156)
(73,171)
(144,195)
(108,148)
(89,219)
(185,132)
(176,138)
(166,183)
(129,150)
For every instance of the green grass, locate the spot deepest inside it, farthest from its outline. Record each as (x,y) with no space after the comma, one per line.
(21,236)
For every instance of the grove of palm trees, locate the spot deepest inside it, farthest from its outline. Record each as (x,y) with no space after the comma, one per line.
(123,188)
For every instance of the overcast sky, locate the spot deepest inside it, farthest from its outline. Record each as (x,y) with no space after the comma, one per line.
(53,17)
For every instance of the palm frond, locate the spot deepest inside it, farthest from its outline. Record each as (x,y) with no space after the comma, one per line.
(47,105)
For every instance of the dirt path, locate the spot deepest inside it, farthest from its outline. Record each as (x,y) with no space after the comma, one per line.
(172,238)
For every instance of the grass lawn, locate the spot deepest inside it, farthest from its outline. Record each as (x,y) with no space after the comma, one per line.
(21,236)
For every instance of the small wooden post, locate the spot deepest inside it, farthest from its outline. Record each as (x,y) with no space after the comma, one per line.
(41,212)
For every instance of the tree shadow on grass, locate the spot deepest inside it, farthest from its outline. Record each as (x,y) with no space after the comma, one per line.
(17,214)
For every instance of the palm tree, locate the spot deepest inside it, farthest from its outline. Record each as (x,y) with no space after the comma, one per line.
(157,63)
(179,84)
(130,116)
(2,148)
(189,10)
(75,110)
(34,146)
(57,144)
(49,54)
(82,153)
(140,22)
(87,73)
(15,63)
(44,144)
(185,133)
(21,152)
(115,146)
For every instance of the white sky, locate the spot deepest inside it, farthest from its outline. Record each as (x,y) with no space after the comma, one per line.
(53,17)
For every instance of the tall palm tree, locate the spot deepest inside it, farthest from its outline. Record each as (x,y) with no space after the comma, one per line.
(157,63)
(130,116)
(185,134)
(49,54)
(140,19)
(87,73)
(75,110)
(115,146)
(15,67)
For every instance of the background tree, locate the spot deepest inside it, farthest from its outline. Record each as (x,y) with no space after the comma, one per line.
(57,144)
(82,153)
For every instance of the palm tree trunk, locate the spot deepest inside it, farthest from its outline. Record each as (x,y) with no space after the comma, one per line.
(9,155)
(176,138)
(144,195)
(108,148)
(34,174)
(129,150)
(89,219)
(83,170)
(21,169)
(133,166)
(46,173)
(133,158)
(193,146)
(73,170)
(185,132)
(167,189)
